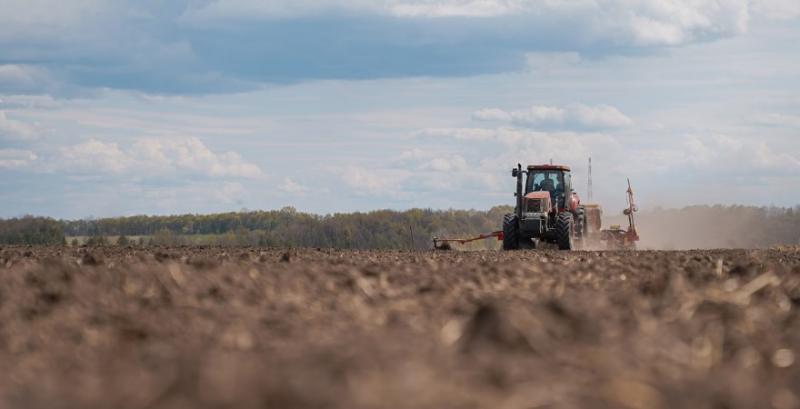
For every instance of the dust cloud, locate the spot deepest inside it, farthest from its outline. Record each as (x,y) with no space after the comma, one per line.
(708,227)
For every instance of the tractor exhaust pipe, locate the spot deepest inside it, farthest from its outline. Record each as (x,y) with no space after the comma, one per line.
(517,172)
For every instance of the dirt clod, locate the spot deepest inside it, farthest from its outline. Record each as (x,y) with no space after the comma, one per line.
(92,259)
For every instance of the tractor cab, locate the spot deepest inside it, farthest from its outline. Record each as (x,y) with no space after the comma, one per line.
(553,179)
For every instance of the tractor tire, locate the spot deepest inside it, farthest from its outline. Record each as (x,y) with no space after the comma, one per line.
(510,232)
(565,226)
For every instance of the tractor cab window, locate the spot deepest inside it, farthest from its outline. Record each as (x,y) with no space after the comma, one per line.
(549,181)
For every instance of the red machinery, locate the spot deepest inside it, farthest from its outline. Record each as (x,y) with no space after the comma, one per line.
(617,238)
(614,237)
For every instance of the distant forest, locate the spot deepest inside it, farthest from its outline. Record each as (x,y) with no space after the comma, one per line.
(381,229)
(690,227)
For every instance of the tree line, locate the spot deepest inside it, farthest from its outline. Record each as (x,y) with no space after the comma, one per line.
(31,230)
(380,229)
(690,227)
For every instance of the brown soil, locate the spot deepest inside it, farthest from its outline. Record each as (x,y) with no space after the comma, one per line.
(256,328)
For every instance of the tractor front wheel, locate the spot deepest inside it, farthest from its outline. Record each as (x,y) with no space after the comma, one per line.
(565,226)
(510,232)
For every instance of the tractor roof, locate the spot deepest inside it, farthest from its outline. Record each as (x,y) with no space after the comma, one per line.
(548,167)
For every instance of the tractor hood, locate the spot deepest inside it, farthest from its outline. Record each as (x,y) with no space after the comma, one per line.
(537,202)
(538,195)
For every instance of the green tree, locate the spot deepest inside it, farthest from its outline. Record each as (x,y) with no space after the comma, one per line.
(165,237)
(97,241)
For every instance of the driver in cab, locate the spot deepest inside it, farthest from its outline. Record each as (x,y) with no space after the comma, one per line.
(549,186)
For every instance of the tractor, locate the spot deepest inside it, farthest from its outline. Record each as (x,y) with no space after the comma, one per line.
(548,210)
(549,213)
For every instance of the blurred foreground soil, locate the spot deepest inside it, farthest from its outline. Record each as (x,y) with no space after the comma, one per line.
(260,328)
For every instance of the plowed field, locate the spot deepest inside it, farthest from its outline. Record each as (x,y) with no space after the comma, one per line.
(260,328)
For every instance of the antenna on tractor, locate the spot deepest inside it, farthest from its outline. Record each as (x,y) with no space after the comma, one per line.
(589,187)
(551,161)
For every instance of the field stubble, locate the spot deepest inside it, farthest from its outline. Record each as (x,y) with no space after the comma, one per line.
(260,328)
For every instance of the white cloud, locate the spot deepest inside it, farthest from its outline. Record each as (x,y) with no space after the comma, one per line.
(426,171)
(192,155)
(468,134)
(777,9)
(571,116)
(152,156)
(14,130)
(781,120)
(455,8)
(16,159)
(254,9)
(193,196)
(527,145)
(416,171)
(431,161)
(536,114)
(414,154)
(372,180)
(599,116)
(290,186)
(726,154)
(231,192)
(13,73)
(448,163)
(24,78)
(29,102)
(678,22)
(94,155)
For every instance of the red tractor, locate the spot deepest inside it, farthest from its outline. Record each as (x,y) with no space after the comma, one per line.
(548,210)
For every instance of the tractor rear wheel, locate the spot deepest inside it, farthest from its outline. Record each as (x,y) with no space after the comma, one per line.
(510,232)
(565,226)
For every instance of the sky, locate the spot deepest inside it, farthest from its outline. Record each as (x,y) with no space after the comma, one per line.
(123,107)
